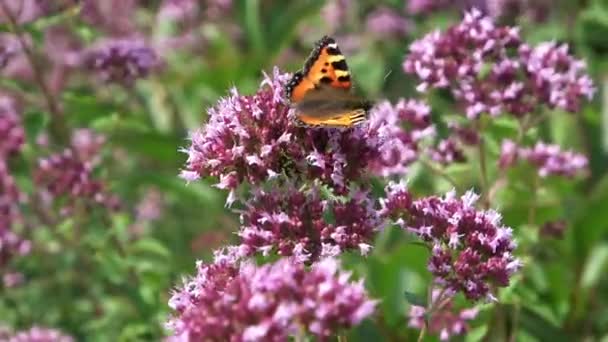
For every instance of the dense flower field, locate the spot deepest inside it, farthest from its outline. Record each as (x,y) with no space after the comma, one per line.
(157,182)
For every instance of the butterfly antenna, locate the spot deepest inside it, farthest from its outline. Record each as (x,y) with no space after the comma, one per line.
(387,75)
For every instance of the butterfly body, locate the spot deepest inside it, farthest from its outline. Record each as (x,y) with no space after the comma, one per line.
(321,92)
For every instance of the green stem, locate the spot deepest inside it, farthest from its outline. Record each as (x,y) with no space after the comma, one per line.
(422,332)
(485,200)
(58,127)
(534,199)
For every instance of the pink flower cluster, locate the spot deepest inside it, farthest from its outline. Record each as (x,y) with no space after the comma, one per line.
(489,70)
(35,334)
(444,320)
(386,22)
(121,60)
(70,175)
(13,138)
(294,223)
(239,301)
(471,249)
(448,151)
(549,159)
(253,139)
(11,244)
(401,128)
(11,130)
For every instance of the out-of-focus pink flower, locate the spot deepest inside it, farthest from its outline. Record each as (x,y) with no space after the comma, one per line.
(9,48)
(549,159)
(87,144)
(121,60)
(335,12)
(554,229)
(444,320)
(489,70)
(293,223)
(237,300)
(509,154)
(471,249)
(65,175)
(386,22)
(13,137)
(466,135)
(11,130)
(425,6)
(535,10)
(400,128)
(217,9)
(11,243)
(23,11)
(113,16)
(12,279)
(179,10)
(38,334)
(448,151)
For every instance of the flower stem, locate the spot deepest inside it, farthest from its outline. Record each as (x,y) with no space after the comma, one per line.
(485,200)
(422,332)
(440,173)
(534,199)
(58,128)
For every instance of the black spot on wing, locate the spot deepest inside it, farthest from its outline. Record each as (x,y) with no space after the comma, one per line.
(325,79)
(333,51)
(340,65)
(345,78)
(323,70)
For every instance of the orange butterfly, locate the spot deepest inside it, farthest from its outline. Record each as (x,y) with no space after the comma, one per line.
(321,92)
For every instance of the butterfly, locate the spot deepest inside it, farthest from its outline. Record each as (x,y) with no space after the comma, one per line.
(321,92)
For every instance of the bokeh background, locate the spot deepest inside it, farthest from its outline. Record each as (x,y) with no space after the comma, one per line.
(121,83)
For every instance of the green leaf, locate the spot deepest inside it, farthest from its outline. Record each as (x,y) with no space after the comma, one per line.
(414,298)
(537,326)
(34,123)
(595,267)
(151,246)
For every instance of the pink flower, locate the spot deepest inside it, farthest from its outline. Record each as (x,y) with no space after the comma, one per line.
(121,60)
(471,249)
(38,334)
(65,175)
(386,22)
(488,69)
(11,130)
(448,151)
(400,128)
(444,320)
(253,139)
(549,159)
(293,223)
(233,299)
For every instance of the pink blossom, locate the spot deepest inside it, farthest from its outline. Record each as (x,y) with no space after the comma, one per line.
(293,223)
(239,301)
(471,249)
(444,320)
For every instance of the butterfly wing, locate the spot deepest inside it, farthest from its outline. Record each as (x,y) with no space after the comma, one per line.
(325,65)
(331,107)
(320,92)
